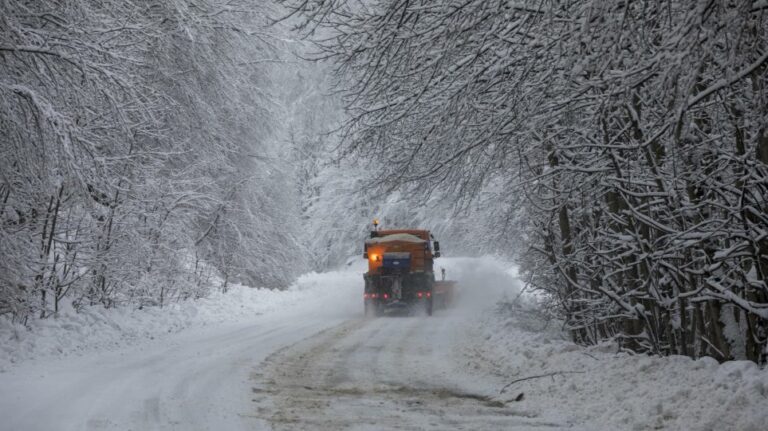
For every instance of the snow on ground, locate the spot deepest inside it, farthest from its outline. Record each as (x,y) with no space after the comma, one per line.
(96,329)
(607,390)
(193,379)
(306,358)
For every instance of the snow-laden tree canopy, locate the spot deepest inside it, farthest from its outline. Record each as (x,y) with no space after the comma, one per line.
(623,144)
(143,155)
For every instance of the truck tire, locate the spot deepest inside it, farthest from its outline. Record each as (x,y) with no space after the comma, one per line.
(371,309)
(428,306)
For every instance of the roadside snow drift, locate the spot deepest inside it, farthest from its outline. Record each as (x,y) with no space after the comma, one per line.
(599,388)
(96,328)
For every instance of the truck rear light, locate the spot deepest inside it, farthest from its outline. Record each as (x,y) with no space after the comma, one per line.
(420,294)
(429,294)
(366,296)
(386,296)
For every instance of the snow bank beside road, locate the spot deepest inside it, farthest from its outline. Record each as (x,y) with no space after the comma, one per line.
(96,328)
(595,387)
(616,391)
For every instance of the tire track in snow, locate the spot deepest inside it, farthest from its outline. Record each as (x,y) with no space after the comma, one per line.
(394,373)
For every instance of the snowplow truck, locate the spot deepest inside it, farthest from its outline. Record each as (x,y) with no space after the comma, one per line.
(400,271)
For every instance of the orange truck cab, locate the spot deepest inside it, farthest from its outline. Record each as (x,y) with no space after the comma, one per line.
(400,270)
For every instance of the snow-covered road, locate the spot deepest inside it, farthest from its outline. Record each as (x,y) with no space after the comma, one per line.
(195,381)
(316,363)
(306,359)
(404,373)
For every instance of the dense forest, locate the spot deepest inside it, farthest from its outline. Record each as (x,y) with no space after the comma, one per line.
(153,151)
(624,146)
(140,153)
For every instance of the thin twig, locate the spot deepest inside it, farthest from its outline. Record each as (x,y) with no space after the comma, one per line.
(552,374)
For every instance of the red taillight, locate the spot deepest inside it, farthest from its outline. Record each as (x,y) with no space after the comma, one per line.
(429,294)
(366,296)
(420,294)
(386,296)
(373,296)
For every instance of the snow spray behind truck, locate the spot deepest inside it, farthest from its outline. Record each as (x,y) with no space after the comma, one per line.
(400,271)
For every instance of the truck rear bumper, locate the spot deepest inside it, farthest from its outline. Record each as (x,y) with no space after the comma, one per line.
(378,307)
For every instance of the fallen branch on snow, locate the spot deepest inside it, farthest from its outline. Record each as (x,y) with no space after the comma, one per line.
(552,374)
